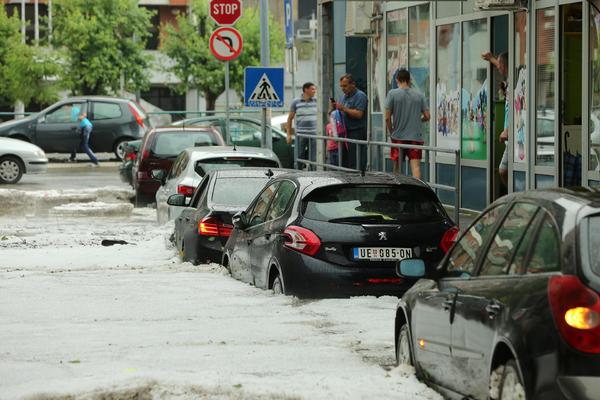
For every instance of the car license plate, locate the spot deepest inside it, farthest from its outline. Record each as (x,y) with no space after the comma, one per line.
(382,253)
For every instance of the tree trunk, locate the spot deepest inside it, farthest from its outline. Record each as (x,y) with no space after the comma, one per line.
(211,100)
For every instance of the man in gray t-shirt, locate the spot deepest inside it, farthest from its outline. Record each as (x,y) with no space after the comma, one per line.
(304,110)
(405,110)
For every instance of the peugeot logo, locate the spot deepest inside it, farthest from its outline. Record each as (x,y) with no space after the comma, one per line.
(382,236)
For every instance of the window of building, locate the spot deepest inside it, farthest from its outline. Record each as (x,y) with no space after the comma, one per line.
(520,90)
(448,85)
(594,122)
(397,44)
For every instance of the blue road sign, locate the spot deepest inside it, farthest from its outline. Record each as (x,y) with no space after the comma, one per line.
(263,87)
(289,24)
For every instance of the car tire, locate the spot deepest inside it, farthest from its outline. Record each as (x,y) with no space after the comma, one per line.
(506,383)
(278,286)
(11,169)
(403,347)
(119,148)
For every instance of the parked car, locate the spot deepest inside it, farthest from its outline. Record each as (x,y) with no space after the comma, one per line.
(130,153)
(332,234)
(203,227)
(159,149)
(18,157)
(194,162)
(247,132)
(513,310)
(115,121)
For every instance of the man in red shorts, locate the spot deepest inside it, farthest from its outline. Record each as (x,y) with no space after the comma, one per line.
(405,110)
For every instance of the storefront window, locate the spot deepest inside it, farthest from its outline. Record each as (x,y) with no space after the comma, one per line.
(447,87)
(448,8)
(474,101)
(545,85)
(520,89)
(594,125)
(397,44)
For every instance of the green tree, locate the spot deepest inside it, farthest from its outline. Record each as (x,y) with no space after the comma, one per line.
(26,74)
(187,44)
(102,40)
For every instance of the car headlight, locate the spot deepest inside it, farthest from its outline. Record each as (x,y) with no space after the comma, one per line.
(40,153)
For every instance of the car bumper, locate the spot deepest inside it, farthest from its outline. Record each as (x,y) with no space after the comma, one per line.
(207,249)
(306,276)
(37,166)
(579,387)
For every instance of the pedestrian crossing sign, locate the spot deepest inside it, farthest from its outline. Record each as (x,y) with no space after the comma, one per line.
(263,87)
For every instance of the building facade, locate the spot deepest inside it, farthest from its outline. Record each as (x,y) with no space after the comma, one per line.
(553,85)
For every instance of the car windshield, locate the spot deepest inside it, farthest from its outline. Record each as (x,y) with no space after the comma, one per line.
(171,144)
(237,191)
(207,165)
(594,243)
(358,204)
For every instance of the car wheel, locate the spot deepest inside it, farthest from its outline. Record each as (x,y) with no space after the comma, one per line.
(11,169)
(403,353)
(506,384)
(119,148)
(278,285)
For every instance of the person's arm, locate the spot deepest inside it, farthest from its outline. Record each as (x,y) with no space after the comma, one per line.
(388,121)
(350,112)
(426,116)
(489,57)
(291,116)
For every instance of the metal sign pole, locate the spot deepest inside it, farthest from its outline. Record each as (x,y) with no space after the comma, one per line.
(265,55)
(228,132)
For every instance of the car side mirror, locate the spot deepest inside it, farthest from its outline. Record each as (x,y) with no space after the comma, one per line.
(159,175)
(411,268)
(239,220)
(177,200)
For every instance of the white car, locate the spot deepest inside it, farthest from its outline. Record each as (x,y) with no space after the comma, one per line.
(193,163)
(18,157)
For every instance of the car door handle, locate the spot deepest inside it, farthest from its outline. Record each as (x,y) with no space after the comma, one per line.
(493,309)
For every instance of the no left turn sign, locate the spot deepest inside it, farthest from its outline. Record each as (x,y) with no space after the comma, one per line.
(226,43)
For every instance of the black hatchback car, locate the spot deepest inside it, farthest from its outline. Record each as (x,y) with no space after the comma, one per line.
(54,129)
(513,310)
(203,227)
(333,234)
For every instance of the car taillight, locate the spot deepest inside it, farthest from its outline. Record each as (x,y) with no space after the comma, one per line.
(576,312)
(131,156)
(211,226)
(448,239)
(185,190)
(137,116)
(145,154)
(302,240)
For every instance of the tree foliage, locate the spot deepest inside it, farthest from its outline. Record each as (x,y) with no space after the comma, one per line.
(26,73)
(100,41)
(187,44)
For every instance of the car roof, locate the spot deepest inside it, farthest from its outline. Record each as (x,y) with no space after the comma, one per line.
(98,98)
(565,199)
(169,129)
(327,178)
(198,153)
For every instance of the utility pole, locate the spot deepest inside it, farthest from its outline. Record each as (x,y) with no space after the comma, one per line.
(265,56)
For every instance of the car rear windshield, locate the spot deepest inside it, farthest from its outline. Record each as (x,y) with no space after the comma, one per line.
(372,204)
(237,191)
(594,243)
(171,144)
(207,165)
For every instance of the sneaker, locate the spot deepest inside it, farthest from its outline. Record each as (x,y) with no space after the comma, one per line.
(71,160)
(94,165)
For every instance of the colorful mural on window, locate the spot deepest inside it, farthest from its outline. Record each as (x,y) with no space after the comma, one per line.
(447,87)
(520,92)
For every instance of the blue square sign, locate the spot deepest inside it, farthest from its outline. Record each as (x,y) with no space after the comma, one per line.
(263,87)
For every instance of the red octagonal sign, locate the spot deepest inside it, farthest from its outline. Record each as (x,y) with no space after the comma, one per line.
(225,12)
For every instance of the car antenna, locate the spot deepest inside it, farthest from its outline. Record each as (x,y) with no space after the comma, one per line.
(269,173)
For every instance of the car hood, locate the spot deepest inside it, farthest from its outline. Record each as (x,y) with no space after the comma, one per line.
(8,125)
(15,145)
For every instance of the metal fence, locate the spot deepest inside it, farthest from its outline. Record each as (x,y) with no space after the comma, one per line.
(369,144)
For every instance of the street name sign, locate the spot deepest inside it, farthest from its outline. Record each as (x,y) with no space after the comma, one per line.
(225,12)
(226,43)
(263,87)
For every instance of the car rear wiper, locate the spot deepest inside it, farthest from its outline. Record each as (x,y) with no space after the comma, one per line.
(359,219)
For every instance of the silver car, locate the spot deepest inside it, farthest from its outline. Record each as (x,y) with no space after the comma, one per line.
(18,157)
(193,163)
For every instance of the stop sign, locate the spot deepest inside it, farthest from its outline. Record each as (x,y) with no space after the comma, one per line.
(225,12)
